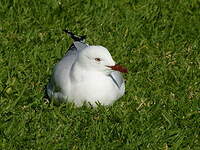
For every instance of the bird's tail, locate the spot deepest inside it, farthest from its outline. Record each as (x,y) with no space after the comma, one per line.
(75,37)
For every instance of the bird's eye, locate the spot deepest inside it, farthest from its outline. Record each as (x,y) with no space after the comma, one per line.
(98,59)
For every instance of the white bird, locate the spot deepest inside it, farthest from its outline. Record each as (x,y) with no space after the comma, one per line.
(86,74)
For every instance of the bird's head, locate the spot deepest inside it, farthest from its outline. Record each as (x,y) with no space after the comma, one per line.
(98,58)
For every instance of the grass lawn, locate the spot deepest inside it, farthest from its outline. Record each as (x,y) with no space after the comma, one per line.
(157,40)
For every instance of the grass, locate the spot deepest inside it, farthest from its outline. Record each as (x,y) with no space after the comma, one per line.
(157,40)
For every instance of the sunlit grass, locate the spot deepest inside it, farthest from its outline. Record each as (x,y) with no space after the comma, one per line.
(158,41)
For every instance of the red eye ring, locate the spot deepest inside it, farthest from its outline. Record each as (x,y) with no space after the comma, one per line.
(97,59)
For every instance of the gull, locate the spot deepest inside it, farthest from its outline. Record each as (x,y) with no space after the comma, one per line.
(87,73)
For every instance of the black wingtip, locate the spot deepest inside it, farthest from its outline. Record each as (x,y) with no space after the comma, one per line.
(75,37)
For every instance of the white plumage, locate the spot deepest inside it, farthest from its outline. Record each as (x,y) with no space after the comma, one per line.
(86,73)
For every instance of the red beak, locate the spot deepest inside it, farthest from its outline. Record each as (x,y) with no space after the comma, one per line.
(119,68)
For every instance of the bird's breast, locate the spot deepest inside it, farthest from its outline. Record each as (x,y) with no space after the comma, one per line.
(95,87)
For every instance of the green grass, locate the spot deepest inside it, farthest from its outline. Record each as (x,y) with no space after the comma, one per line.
(158,41)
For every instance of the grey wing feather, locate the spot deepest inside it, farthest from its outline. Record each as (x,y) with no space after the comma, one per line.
(117,78)
(71,51)
(79,45)
(76,46)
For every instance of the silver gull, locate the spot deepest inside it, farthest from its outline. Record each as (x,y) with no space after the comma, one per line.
(86,73)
